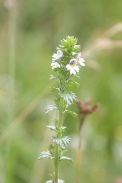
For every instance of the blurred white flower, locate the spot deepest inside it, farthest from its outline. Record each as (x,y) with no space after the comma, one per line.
(72,66)
(57,56)
(9,3)
(55,65)
(80,60)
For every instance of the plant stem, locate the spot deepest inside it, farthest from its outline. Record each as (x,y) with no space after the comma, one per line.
(78,157)
(78,163)
(56,161)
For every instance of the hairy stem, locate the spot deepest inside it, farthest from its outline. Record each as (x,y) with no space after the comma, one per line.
(57,147)
(56,163)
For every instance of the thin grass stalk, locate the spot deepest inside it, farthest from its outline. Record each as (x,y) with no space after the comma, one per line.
(11,63)
(78,159)
(11,80)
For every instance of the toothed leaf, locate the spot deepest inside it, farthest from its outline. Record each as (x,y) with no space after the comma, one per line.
(63,142)
(66,158)
(45,154)
(68,97)
(50,108)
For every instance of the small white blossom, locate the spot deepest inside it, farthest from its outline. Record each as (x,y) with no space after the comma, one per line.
(72,66)
(55,65)
(80,60)
(57,56)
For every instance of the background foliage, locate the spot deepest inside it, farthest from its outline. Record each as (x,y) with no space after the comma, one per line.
(40,25)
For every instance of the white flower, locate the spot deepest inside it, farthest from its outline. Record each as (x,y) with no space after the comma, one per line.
(55,65)
(72,66)
(57,56)
(80,60)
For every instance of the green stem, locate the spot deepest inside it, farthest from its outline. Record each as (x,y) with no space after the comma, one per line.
(56,163)
(57,147)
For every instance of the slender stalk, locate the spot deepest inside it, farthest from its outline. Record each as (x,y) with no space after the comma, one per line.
(57,147)
(56,163)
(11,80)
(79,157)
(11,68)
(78,162)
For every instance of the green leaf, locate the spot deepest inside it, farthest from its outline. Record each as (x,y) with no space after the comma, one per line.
(63,142)
(50,108)
(68,97)
(66,158)
(55,89)
(51,149)
(63,151)
(53,128)
(51,181)
(73,84)
(45,154)
(60,181)
(63,128)
(53,77)
(74,114)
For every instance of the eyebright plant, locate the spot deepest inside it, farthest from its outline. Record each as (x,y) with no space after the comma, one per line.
(66,62)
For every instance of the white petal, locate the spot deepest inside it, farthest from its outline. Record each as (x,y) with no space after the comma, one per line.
(68,67)
(72,71)
(81,61)
(76,68)
(55,65)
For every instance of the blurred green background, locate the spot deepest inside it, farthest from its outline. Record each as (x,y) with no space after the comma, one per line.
(30,31)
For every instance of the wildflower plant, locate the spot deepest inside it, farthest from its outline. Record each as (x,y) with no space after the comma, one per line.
(66,62)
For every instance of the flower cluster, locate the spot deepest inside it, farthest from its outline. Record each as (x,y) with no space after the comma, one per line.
(68,56)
